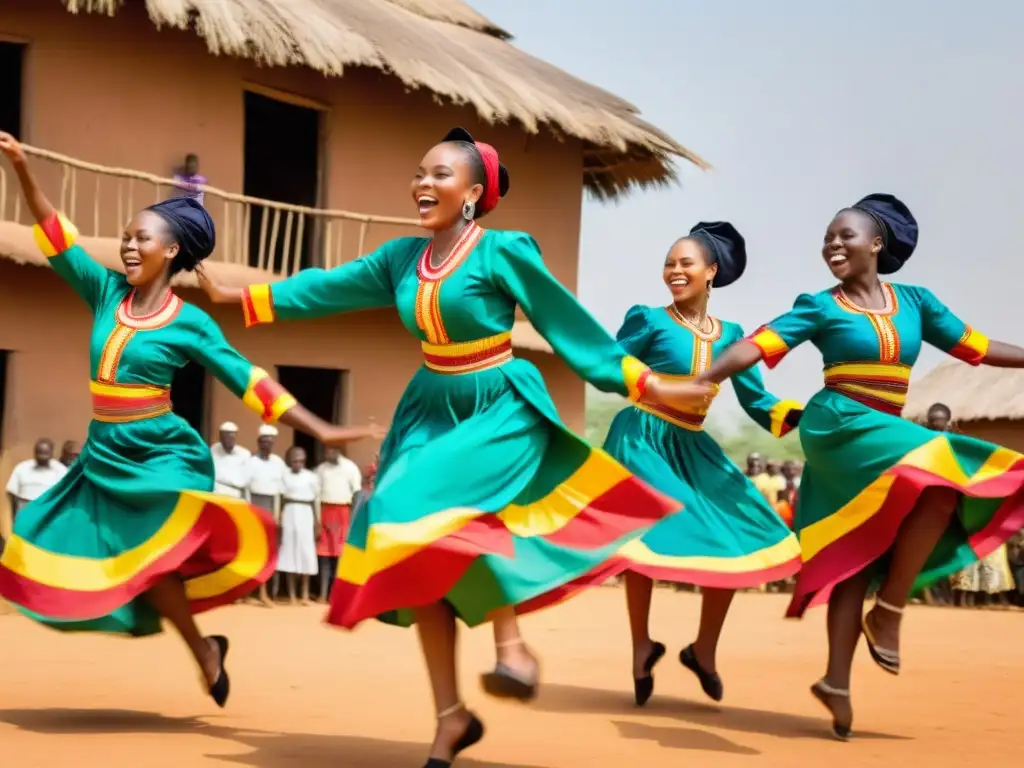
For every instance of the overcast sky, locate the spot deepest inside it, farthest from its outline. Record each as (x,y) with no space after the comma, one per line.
(803,107)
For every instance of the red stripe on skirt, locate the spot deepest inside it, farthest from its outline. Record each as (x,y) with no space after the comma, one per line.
(211,544)
(862,546)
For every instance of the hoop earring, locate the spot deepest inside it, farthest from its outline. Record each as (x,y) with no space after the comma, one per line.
(468,210)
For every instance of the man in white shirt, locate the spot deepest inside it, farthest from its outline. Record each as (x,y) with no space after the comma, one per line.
(266,472)
(230,463)
(340,480)
(32,478)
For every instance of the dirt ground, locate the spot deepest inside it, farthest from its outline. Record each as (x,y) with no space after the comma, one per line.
(305,695)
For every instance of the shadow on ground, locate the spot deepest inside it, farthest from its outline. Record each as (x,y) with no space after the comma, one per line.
(269,749)
(575,699)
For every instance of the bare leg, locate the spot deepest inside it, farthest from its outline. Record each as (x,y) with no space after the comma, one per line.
(438,638)
(265,596)
(713,610)
(509,646)
(290,581)
(638,605)
(917,537)
(305,588)
(168,597)
(844,613)
(326,574)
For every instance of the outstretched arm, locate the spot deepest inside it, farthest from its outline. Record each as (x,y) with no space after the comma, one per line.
(263,394)
(770,342)
(944,330)
(54,234)
(361,284)
(770,413)
(578,338)
(740,357)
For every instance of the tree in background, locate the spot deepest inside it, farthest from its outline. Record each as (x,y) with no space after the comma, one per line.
(738,435)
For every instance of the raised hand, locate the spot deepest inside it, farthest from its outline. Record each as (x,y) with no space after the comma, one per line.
(218,294)
(12,149)
(336,435)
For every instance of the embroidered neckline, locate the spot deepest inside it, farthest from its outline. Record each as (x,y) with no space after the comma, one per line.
(165,314)
(713,335)
(891,302)
(468,239)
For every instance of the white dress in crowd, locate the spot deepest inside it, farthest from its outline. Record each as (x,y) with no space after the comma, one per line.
(231,471)
(298,522)
(29,481)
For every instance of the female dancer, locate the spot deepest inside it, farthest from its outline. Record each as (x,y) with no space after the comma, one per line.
(132,533)
(880,496)
(506,509)
(728,536)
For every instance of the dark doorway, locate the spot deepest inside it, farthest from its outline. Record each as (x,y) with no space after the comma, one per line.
(321,390)
(189,396)
(4,359)
(281,163)
(12,69)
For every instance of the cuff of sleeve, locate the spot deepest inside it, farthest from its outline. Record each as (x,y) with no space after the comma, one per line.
(635,374)
(258,305)
(770,345)
(780,416)
(266,397)
(55,235)
(972,347)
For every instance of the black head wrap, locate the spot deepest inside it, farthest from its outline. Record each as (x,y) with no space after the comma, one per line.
(898,227)
(192,228)
(725,247)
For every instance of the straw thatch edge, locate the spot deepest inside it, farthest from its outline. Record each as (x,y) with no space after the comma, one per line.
(973,393)
(415,41)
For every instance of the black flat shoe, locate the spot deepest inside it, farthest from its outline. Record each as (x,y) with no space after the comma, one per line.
(643,687)
(222,686)
(887,659)
(503,682)
(710,682)
(821,690)
(473,733)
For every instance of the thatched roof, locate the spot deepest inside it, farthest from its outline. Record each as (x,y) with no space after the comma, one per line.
(17,245)
(972,393)
(446,47)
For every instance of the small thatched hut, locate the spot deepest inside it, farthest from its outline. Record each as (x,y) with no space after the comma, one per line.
(986,402)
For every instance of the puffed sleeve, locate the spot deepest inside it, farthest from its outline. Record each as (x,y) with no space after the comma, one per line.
(788,331)
(365,283)
(944,330)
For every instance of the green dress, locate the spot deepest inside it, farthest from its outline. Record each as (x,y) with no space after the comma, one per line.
(136,505)
(866,466)
(727,534)
(483,497)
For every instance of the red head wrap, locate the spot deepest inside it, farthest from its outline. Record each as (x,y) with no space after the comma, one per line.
(492,189)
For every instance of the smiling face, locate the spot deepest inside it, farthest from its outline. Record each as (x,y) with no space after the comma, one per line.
(442,185)
(147,248)
(852,244)
(686,271)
